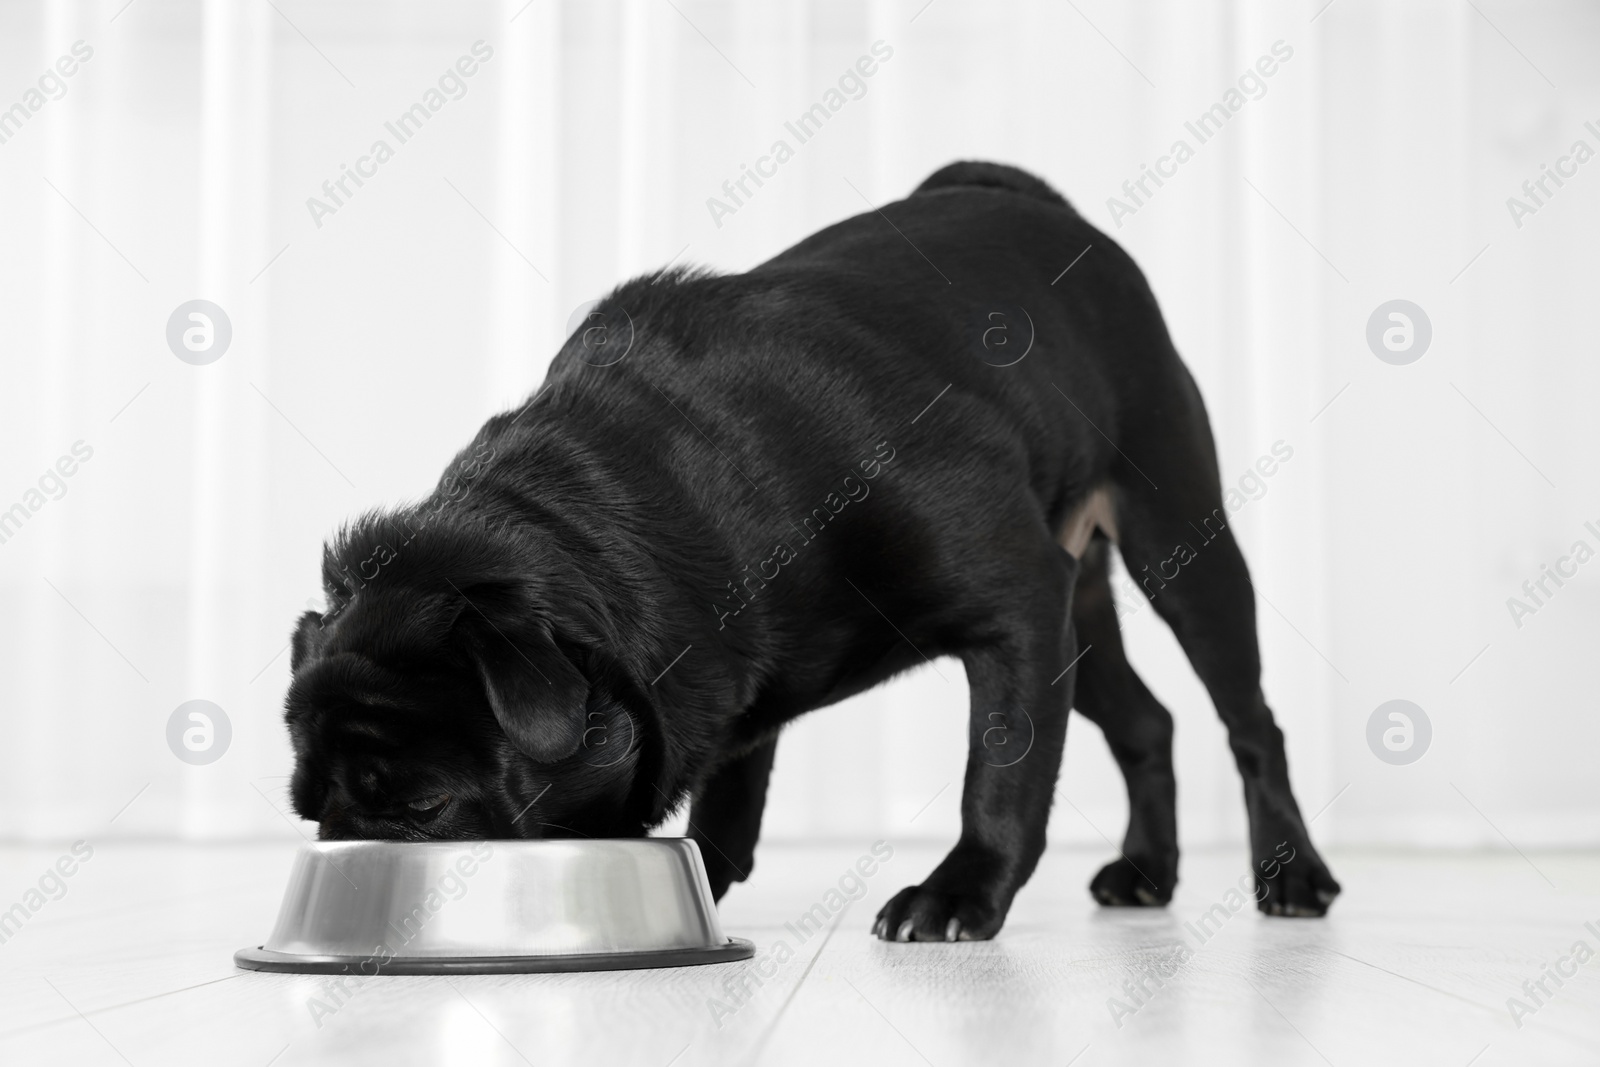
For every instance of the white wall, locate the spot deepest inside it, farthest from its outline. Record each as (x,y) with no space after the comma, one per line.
(1377,165)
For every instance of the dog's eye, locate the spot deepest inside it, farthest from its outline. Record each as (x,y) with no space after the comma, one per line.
(426,809)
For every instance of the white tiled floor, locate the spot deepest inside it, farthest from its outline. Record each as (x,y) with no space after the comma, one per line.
(1415,965)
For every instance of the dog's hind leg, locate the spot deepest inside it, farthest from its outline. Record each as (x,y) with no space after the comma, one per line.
(1180,549)
(1139,731)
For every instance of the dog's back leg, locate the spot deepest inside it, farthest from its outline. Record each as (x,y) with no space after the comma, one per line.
(1139,730)
(1174,535)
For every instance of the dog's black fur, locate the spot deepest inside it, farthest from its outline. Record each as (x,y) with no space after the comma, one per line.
(795,483)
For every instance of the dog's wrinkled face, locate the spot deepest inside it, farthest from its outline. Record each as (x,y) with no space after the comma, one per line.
(452,715)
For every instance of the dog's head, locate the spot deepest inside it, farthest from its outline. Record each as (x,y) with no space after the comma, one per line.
(459,699)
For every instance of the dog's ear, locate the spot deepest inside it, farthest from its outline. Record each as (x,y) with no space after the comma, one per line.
(537,694)
(307,639)
(308,790)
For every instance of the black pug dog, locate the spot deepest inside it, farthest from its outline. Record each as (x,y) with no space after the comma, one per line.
(739,498)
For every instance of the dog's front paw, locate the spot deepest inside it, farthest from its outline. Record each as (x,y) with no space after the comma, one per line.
(923,913)
(719,880)
(1135,883)
(1297,883)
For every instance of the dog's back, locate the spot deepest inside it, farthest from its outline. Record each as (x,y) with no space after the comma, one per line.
(972,173)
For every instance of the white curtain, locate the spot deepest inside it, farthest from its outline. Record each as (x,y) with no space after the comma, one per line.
(1374,163)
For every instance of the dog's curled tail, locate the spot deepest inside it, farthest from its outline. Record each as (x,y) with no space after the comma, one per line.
(969,173)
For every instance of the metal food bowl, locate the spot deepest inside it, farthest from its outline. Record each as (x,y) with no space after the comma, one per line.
(495,907)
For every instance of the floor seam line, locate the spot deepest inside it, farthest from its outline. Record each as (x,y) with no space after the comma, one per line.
(772,1027)
(113,1007)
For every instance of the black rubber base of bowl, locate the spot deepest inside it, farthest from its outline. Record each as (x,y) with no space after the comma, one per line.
(261,959)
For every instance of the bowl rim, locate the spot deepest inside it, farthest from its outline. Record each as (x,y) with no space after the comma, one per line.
(264,959)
